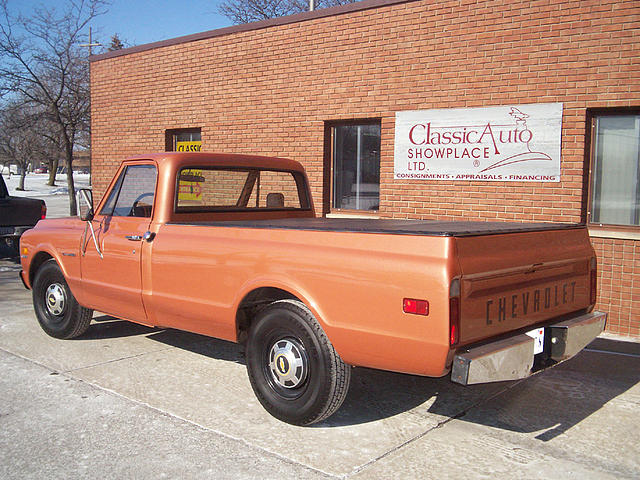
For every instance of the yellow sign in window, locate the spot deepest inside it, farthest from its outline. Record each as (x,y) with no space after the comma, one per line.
(190,191)
(188,146)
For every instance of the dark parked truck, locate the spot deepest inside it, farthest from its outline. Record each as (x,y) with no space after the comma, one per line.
(229,246)
(17,214)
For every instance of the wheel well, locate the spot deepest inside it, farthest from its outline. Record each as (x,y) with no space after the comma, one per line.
(252,303)
(38,259)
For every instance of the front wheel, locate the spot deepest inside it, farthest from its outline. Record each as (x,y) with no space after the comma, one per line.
(294,370)
(57,310)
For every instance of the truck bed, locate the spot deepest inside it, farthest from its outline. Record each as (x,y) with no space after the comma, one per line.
(395,227)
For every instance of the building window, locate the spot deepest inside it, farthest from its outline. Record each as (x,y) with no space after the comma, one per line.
(183,140)
(615,169)
(352,166)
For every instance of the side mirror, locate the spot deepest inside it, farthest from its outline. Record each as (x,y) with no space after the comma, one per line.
(84,199)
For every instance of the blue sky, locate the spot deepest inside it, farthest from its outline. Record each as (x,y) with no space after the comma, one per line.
(145,21)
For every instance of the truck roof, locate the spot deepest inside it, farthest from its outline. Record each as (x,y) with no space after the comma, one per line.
(171,163)
(209,159)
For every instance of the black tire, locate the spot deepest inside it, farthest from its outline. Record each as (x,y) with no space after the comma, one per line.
(57,310)
(294,370)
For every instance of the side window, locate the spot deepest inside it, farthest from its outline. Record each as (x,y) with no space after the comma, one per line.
(133,193)
(107,209)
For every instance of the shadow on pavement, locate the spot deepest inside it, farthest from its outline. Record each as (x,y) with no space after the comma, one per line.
(558,399)
(202,345)
(105,326)
(552,401)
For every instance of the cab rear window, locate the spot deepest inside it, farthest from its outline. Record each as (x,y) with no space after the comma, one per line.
(232,189)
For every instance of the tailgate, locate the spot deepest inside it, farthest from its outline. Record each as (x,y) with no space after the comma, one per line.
(19,211)
(516,280)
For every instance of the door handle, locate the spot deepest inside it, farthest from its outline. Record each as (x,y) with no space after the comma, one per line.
(133,238)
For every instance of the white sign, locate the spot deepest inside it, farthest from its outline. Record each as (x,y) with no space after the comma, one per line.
(513,143)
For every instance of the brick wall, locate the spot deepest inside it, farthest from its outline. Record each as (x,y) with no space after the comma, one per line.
(619,284)
(269,91)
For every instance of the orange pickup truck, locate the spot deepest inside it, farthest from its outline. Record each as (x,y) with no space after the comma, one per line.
(229,246)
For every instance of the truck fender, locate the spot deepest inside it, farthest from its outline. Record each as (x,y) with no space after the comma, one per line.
(43,253)
(280,284)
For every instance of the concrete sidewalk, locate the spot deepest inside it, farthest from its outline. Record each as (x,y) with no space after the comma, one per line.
(127,401)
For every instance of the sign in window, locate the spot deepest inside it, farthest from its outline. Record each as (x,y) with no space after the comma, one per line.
(187,140)
(183,140)
(190,146)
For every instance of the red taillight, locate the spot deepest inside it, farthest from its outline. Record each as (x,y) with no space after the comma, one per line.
(454,320)
(415,306)
(454,312)
(43,211)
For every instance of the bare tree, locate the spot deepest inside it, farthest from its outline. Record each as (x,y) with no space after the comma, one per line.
(19,142)
(48,144)
(42,61)
(246,11)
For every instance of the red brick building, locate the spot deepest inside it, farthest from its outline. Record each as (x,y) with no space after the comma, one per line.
(325,87)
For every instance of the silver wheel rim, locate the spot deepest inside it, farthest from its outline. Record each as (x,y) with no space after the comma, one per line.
(288,363)
(56,299)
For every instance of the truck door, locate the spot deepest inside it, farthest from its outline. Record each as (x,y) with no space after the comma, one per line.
(113,283)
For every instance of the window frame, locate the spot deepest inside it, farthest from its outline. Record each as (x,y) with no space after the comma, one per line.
(299,179)
(328,170)
(592,115)
(116,189)
(169,141)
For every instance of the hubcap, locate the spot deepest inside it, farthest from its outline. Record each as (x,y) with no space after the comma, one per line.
(288,363)
(55,299)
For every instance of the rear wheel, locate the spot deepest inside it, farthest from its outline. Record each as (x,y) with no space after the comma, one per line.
(294,370)
(57,310)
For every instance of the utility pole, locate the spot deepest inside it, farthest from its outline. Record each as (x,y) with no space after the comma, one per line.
(91,44)
(312,5)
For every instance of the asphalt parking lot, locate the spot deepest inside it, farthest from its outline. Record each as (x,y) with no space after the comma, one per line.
(126,401)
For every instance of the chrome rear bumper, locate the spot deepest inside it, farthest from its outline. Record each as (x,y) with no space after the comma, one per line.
(512,358)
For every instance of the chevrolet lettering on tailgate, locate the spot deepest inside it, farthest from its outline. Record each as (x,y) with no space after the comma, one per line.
(531,301)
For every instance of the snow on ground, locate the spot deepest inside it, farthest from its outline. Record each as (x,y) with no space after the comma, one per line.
(56,198)
(35,184)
